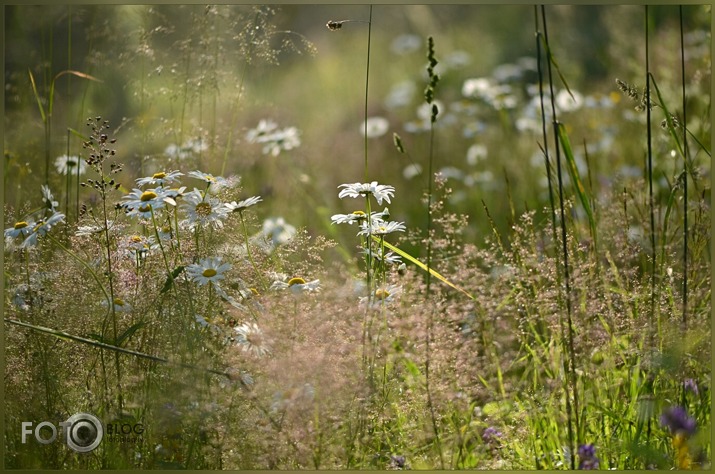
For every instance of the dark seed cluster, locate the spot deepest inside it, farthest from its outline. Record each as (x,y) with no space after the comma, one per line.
(433,78)
(99,149)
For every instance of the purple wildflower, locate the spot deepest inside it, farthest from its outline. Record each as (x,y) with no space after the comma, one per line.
(398,462)
(490,435)
(587,456)
(676,419)
(691,385)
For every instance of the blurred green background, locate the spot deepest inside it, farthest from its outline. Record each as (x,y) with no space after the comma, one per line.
(174,74)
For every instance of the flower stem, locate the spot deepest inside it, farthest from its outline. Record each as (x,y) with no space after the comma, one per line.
(367,81)
(250,254)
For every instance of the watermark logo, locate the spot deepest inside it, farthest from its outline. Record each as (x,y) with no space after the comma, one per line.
(82,432)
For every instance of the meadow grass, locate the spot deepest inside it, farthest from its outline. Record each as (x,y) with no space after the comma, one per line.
(540,302)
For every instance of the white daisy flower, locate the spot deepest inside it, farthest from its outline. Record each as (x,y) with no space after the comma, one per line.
(165,232)
(161,178)
(205,324)
(119,305)
(297,285)
(69,164)
(22,297)
(375,126)
(264,128)
(188,149)
(285,139)
(196,145)
(86,230)
(356,190)
(275,140)
(353,217)
(568,102)
(174,192)
(21,228)
(382,295)
(41,228)
(476,153)
(208,270)
(175,151)
(251,339)
(141,203)
(203,211)
(206,177)
(137,246)
(228,298)
(242,205)
(476,87)
(224,183)
(359,217)
(389,257)
(381,228)
(411,170)
(278,230)
(48,198)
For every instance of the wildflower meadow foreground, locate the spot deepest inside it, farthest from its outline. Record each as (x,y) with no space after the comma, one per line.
(392,238)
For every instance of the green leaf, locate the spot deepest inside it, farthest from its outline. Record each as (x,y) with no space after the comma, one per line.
(96,337)
(575,179)
(412,368)
(412,259)
(128,333)
(170,279)
(37,97)
(77,134)
(558,70)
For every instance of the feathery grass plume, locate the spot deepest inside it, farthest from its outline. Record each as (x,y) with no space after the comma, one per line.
(100,154)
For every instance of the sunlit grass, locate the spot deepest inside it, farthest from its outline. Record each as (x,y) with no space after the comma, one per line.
(260,284)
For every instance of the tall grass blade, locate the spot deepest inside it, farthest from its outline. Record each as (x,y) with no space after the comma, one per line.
(571,398)
(576,180)
(649,157)
(553,62)
(37,97)
(63,73)
(65,336)
(685,173)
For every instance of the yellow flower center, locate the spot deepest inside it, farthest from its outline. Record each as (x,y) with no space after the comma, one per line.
(118,302)
(147,196)
(145,208)
(381,294)
(255,292)
(203,209)
(160,175)
(296,281)
(359,214)
(20,225)
(135,238)
(209,272)
(166,229)
(71,163)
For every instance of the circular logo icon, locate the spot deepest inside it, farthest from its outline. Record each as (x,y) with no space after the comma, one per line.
(85,432)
